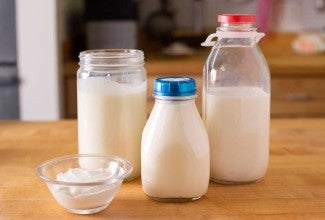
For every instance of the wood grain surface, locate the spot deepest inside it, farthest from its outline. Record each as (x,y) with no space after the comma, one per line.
(293,188)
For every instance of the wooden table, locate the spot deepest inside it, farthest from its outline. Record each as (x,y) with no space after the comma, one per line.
(293,188)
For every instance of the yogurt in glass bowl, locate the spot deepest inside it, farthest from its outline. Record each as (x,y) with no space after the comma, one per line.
(84,184)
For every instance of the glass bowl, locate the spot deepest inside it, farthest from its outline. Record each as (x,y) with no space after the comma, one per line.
(84,184)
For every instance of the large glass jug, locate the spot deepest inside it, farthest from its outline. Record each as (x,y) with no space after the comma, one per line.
(236,101)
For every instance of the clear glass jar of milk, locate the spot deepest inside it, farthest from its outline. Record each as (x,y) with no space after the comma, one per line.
(175,146)
(236,101)
(111,90)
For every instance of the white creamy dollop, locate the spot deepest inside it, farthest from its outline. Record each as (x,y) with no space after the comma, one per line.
(85,197)
(80,175)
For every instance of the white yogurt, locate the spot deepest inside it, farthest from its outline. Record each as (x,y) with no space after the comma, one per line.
(111,117)
(78,198)
(237,120)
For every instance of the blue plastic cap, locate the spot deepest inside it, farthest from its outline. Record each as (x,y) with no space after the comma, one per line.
(174,86)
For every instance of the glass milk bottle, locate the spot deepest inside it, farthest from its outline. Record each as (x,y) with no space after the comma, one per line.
(236,102)
(111,90)
(175,146)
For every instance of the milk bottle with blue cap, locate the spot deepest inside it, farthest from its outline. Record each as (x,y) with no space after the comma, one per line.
(175,156)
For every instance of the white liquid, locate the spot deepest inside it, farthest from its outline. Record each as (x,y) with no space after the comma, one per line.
(237,119)
(111,117)
(78,198)
(175,152)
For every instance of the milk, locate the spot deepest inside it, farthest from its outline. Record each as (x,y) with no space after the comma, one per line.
(175,152)
(111,117)
(237,120)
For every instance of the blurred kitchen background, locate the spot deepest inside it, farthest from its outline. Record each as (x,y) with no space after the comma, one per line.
(40,42)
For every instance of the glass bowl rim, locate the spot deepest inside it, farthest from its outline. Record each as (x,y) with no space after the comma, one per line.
(107,181)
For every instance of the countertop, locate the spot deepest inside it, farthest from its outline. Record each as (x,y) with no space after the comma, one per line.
(293,188)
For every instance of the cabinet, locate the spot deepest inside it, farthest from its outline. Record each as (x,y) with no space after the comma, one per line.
(298,96)
(297,81)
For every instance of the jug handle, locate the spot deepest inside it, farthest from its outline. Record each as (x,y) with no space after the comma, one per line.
(209,42)
(220,34)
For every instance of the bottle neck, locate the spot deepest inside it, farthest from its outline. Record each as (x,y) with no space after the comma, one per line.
(175,103)
(175,98)
(236,27)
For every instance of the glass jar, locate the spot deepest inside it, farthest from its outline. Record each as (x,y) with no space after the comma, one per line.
(236,101)
(111,90)
(175,147)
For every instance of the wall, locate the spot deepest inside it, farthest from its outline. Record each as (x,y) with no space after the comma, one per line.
(39,63)
(184,10)
(286,16)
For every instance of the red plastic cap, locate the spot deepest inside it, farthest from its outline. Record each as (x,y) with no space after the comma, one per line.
(236,18)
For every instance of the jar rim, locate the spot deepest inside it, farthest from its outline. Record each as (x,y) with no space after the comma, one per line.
(111,57)
(111,53)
